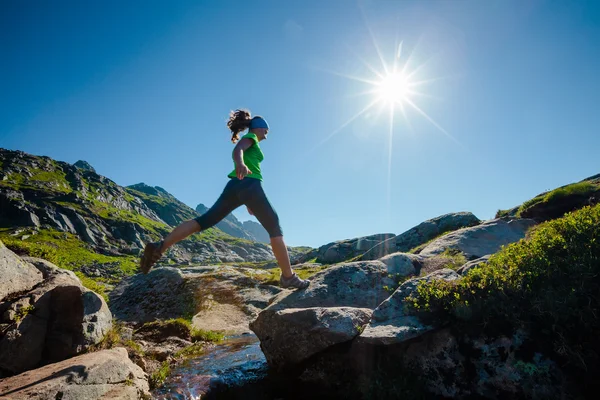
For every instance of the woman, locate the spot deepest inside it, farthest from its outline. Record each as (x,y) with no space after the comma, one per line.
(244,187)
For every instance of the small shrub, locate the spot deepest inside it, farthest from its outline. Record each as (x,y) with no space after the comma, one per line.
(206,335)
(549,283)
(194,350)
(158,377)
(111,339)
(580,188)
(23,312)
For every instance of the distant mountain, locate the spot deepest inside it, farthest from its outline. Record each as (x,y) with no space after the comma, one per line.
(257,230)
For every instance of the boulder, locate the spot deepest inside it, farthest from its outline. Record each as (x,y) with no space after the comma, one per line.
(160,294)
(481,240)
(17,275)
(220,298)
(290,336)
(357,284)
(58,319)
(394,321)
(107,374)
(344,250)
(422,233)
(333,309)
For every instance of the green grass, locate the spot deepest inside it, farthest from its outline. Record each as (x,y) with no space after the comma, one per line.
(23,312)
(93,285)
(548,283)
(502,213)
(195,350)
(206,336)
(158,377)
(54,180)
(457,259)
(272,278)
(66,251)
(581,188)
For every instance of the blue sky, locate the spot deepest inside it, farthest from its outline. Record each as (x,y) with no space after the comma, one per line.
(141,90)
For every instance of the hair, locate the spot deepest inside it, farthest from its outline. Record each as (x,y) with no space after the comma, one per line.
(239,120)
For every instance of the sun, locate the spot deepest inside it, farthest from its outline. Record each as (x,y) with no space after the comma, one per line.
(394,88)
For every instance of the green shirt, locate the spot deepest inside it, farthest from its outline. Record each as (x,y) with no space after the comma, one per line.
(253,155)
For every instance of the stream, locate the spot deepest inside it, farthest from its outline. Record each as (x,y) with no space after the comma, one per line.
(235,369)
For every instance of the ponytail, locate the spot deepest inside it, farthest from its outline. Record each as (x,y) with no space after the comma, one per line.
(239,121)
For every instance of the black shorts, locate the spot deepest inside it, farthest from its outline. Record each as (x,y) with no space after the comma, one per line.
(249,192)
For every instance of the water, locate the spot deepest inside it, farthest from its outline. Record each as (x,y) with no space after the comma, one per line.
(236,363)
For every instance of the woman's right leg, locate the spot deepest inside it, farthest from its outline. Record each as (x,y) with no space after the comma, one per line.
(182,231)
(225,204)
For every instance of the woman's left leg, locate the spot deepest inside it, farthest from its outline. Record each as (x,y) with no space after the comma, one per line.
(255,198)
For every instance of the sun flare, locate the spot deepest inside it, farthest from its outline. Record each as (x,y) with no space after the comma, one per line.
(394,88)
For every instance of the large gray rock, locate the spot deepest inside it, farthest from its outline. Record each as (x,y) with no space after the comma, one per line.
(358,284)
(394,321)
(107,374)
(344,293)
(17,275)
(58,319)
(290,336)
(481,240)
(344,250)
(422,233)
(219,298)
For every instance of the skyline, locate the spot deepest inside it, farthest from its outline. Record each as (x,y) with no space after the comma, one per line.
(142,94)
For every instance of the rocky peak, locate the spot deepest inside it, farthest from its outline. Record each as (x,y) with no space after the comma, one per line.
(84,165)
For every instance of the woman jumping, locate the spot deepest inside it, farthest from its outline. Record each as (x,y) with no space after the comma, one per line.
(244,187)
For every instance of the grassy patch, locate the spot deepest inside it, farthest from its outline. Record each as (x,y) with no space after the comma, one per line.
(457,259)
(23,312)
(53,180)
(502,213)
(272,278)
(206,336)
(67,251)
(581,188)
(549,283)
(111,339)
(93,285)
(158,377)
(174,324)
(194,350)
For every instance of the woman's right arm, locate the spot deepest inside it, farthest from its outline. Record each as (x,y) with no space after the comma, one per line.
(241,170)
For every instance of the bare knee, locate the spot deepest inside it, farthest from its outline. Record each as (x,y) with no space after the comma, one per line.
(195,225)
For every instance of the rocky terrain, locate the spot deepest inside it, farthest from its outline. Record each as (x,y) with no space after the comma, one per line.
(454,307)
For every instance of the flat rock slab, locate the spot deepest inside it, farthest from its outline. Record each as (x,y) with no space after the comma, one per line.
(107,374)
(393,331)
(226,318)
(480,240)
(356,284)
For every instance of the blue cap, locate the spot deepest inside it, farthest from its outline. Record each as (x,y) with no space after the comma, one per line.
(258,122)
